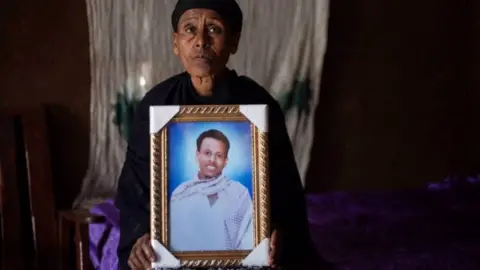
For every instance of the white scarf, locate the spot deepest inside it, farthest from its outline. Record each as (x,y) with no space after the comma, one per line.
(234,217)
(206,187)
(239,206)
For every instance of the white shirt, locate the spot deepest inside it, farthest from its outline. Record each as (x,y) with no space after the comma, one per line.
(198,225)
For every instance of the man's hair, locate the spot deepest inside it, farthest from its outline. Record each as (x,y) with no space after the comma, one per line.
(214,134)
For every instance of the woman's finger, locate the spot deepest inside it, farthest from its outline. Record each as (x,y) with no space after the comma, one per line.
(273,254)
(273,244)
(134,263)
(142,257)
(148,251)
(273,239)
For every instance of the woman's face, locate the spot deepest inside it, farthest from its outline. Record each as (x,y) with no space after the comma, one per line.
(203,42)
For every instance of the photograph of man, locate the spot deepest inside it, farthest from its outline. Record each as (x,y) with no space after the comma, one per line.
(211,212)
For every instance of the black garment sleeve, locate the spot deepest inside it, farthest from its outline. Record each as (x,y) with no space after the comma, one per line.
(288,205)
(133,199)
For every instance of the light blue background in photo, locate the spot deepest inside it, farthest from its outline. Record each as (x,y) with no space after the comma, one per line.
(182,148)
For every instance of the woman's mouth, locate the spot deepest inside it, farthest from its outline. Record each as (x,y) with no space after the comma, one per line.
(203,58)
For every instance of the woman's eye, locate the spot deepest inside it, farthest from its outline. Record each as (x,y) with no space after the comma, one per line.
(214,29)
(189,29)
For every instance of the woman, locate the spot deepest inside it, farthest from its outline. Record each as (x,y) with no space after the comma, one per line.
(206,33)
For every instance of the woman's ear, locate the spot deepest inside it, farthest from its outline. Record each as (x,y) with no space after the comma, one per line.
(175,44)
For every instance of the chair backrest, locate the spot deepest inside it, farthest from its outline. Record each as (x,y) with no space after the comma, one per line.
(1,203)
(29,235)
(14,241)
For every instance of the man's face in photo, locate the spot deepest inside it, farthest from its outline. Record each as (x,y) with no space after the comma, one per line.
(211,158)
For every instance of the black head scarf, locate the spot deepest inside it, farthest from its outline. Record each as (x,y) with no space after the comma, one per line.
(227,9)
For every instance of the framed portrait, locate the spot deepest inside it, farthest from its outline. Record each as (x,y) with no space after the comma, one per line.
(209,186)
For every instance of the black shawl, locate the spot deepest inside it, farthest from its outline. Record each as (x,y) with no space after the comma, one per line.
(288,209)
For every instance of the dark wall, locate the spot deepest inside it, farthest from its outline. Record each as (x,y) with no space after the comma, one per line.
(45,60)
(399,103)
(400,94)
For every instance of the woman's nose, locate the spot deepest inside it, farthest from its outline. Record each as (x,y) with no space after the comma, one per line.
(202,40)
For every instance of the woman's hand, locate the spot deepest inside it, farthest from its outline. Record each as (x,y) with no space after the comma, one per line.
(274,249)
(142,255)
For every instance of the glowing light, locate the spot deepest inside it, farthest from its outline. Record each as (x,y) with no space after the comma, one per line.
(142,81)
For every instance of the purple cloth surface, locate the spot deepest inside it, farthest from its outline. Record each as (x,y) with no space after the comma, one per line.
(432,228)
(104,237)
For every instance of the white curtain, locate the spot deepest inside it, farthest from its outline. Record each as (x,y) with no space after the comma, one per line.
(283,42)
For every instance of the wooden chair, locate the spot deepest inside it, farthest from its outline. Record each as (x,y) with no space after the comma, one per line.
(34,235)
(76,221)
(29,236)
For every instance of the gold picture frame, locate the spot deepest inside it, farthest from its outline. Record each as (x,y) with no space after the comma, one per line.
(160,118)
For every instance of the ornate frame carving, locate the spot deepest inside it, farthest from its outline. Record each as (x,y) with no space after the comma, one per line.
(160,116)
